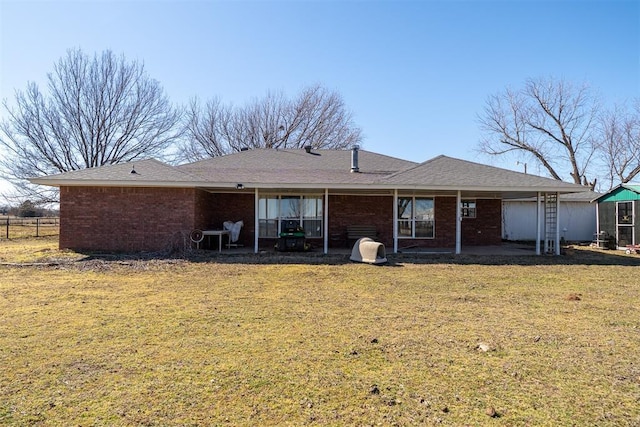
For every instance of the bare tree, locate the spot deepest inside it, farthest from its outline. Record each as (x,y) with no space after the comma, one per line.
(551,122)
(316,118)
(208,128)
(100,110)
(620,143)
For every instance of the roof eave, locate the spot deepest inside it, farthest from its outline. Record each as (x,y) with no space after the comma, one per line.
(110,183)
(412,187)
(275,185)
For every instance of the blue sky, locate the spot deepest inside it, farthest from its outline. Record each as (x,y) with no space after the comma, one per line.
(415,74)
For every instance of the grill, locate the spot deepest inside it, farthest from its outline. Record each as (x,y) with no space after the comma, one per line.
(292,237)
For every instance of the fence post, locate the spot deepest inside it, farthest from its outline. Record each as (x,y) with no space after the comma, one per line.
(37,227)
(7,227)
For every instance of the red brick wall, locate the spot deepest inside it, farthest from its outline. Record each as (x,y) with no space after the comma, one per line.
(203,207)
(156,219)
(221,207)
(125,219)
(445,218)
(360,210)
(486,227)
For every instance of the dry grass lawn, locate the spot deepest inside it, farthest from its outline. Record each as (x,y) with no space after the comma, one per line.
(442,341)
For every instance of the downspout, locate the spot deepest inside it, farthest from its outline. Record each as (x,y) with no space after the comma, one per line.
(395,221)
(326,221)
(256,224)
(458,224)
(538,222)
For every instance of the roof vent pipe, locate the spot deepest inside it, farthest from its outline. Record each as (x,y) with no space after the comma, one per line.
(354,159)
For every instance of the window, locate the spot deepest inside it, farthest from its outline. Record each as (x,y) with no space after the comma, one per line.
(468,208)
(273,210)
(268,217)
(625,213)
(625,223)
(415,217)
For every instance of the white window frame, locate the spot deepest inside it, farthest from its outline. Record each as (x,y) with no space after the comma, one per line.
(412,220)
(630,224)
(465,211)
(276,216)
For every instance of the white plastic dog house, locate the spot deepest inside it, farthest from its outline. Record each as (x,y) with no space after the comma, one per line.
(369,251)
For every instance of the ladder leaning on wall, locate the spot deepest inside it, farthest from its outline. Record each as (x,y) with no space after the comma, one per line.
(550,222)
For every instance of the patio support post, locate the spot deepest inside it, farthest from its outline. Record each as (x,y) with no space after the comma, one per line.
(256,222)
(395,221)
(538,223)
(458,224)
(595,237)
(546,232)
(326,221)
(557,223)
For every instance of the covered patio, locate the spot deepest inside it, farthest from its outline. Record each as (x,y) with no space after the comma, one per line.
(456,231)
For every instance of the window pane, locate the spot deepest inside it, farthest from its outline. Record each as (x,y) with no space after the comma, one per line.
(625,213)
(272,208)
(312,227)
(404,228)
(424,209)
(290,207)
(268,228)
(268,208)
(405,208)
(424,228)
(312,216)
(312,207)
(625,236)
(468,208)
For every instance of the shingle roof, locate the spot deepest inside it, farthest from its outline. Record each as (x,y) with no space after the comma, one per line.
(150,171)
(270,168)
(447,172)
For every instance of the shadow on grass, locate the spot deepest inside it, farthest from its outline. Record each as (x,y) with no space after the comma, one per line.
(569,256)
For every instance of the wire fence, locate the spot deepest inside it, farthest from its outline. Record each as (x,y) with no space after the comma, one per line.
(15,227)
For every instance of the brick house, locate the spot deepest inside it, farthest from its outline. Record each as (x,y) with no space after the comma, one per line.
(151,206)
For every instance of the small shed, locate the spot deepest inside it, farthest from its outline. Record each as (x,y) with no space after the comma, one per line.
(617,215)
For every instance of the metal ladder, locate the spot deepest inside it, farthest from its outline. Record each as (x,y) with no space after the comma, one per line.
(550,222)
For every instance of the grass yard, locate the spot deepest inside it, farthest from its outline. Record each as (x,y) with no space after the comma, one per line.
(440,341)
